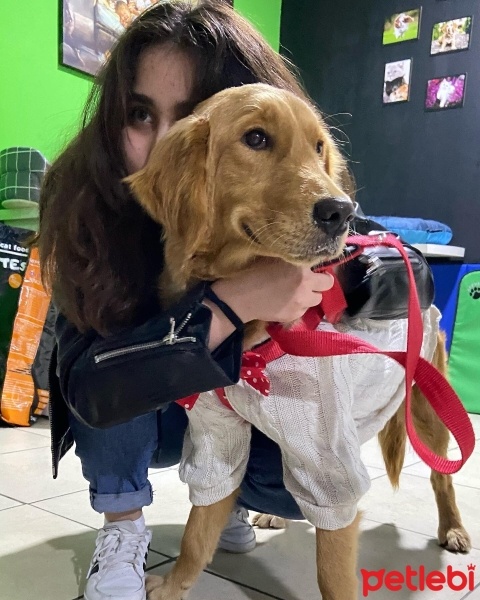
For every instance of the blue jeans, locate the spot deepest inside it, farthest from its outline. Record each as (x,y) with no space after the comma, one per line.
(115,462)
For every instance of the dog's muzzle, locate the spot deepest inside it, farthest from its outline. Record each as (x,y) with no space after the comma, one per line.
(332,215)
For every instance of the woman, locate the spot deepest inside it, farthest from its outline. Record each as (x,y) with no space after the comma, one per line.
(101,256)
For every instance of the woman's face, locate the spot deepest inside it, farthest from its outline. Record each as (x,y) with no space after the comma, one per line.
(162,94)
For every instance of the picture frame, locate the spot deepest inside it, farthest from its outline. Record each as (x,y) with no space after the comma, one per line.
(397,81)
(402,27)
(89,28)
(453,35)
(447,92)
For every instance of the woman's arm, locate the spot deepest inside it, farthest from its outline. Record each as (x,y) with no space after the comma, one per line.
(191,348)
(107,381)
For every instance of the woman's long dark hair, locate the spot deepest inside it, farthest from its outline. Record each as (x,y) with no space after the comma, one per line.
(100,252)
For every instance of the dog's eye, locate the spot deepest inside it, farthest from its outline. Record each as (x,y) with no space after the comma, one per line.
(256,139)
(320,148)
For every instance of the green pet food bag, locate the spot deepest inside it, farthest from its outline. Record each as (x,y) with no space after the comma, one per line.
(464,361)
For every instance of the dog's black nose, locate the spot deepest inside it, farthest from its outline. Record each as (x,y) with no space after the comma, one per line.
(333,215)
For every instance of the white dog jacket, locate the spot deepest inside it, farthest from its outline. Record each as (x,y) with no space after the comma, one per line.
(318,410)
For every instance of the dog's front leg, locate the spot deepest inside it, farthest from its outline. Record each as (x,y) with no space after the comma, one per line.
(199,542)
(337,562)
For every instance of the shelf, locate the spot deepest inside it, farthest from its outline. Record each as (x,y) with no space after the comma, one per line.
(440,251)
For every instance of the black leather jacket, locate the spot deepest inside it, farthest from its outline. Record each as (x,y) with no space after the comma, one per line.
(108,381)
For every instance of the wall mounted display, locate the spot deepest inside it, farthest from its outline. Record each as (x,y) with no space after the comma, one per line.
(446,92)
(396,81)
(402,27)
(89,28)
(450,36)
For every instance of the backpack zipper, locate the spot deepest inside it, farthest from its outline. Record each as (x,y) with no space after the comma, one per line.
(169,340)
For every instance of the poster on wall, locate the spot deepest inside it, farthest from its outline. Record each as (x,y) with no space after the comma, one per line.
(445,92)
(396,81)
(401,27)
(451,36)
(89,29)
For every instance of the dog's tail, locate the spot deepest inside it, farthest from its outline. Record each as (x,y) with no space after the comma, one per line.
(393,438)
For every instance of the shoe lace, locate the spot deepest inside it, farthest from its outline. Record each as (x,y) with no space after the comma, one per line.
(118,548)
(242,515)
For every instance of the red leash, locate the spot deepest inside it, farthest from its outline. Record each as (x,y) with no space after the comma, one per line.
(438,392)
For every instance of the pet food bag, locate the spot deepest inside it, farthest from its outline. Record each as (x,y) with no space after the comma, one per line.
(465,339)
(13,262)
(20,404)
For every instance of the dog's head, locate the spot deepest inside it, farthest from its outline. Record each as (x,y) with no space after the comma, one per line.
(449,28)
(252,172)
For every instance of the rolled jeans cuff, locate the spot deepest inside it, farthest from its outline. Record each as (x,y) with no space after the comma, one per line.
(123,502)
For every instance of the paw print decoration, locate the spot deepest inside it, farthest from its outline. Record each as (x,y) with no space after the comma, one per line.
(474,290)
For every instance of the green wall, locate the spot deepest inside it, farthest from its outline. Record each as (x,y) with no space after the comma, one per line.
(265,15)
(40,102)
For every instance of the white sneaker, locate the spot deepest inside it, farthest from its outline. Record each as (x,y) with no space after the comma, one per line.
(238,536)
(117,570)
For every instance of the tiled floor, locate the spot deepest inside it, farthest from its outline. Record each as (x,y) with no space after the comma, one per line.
(47,531)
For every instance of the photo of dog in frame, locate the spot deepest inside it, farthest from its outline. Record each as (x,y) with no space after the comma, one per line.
(402,27)
(451,36)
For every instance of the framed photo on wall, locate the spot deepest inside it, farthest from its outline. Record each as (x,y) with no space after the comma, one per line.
(89,29)
(446,92)
(401,27)
(451,36)
(396,81)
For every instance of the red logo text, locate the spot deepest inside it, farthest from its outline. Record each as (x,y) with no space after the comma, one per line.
(417,579)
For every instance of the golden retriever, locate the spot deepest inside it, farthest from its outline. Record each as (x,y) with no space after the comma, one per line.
(254,172)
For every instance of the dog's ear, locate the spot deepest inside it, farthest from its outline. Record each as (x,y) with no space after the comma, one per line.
(172,187)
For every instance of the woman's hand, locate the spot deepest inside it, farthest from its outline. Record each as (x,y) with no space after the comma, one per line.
(273,290)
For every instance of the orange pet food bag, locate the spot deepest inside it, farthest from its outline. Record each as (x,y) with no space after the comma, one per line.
(19,403)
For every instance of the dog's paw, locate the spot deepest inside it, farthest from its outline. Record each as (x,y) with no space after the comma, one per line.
(264,521)
(158,588)
(455,540)
(153,585)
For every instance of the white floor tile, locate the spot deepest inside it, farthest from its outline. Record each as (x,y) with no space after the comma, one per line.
(214,588)
(26,476)
(75,506)
(413,506)
(13,439)
(7,503)
(372,455)
(469,474)
(41,427)
(42,555)
(375,472)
